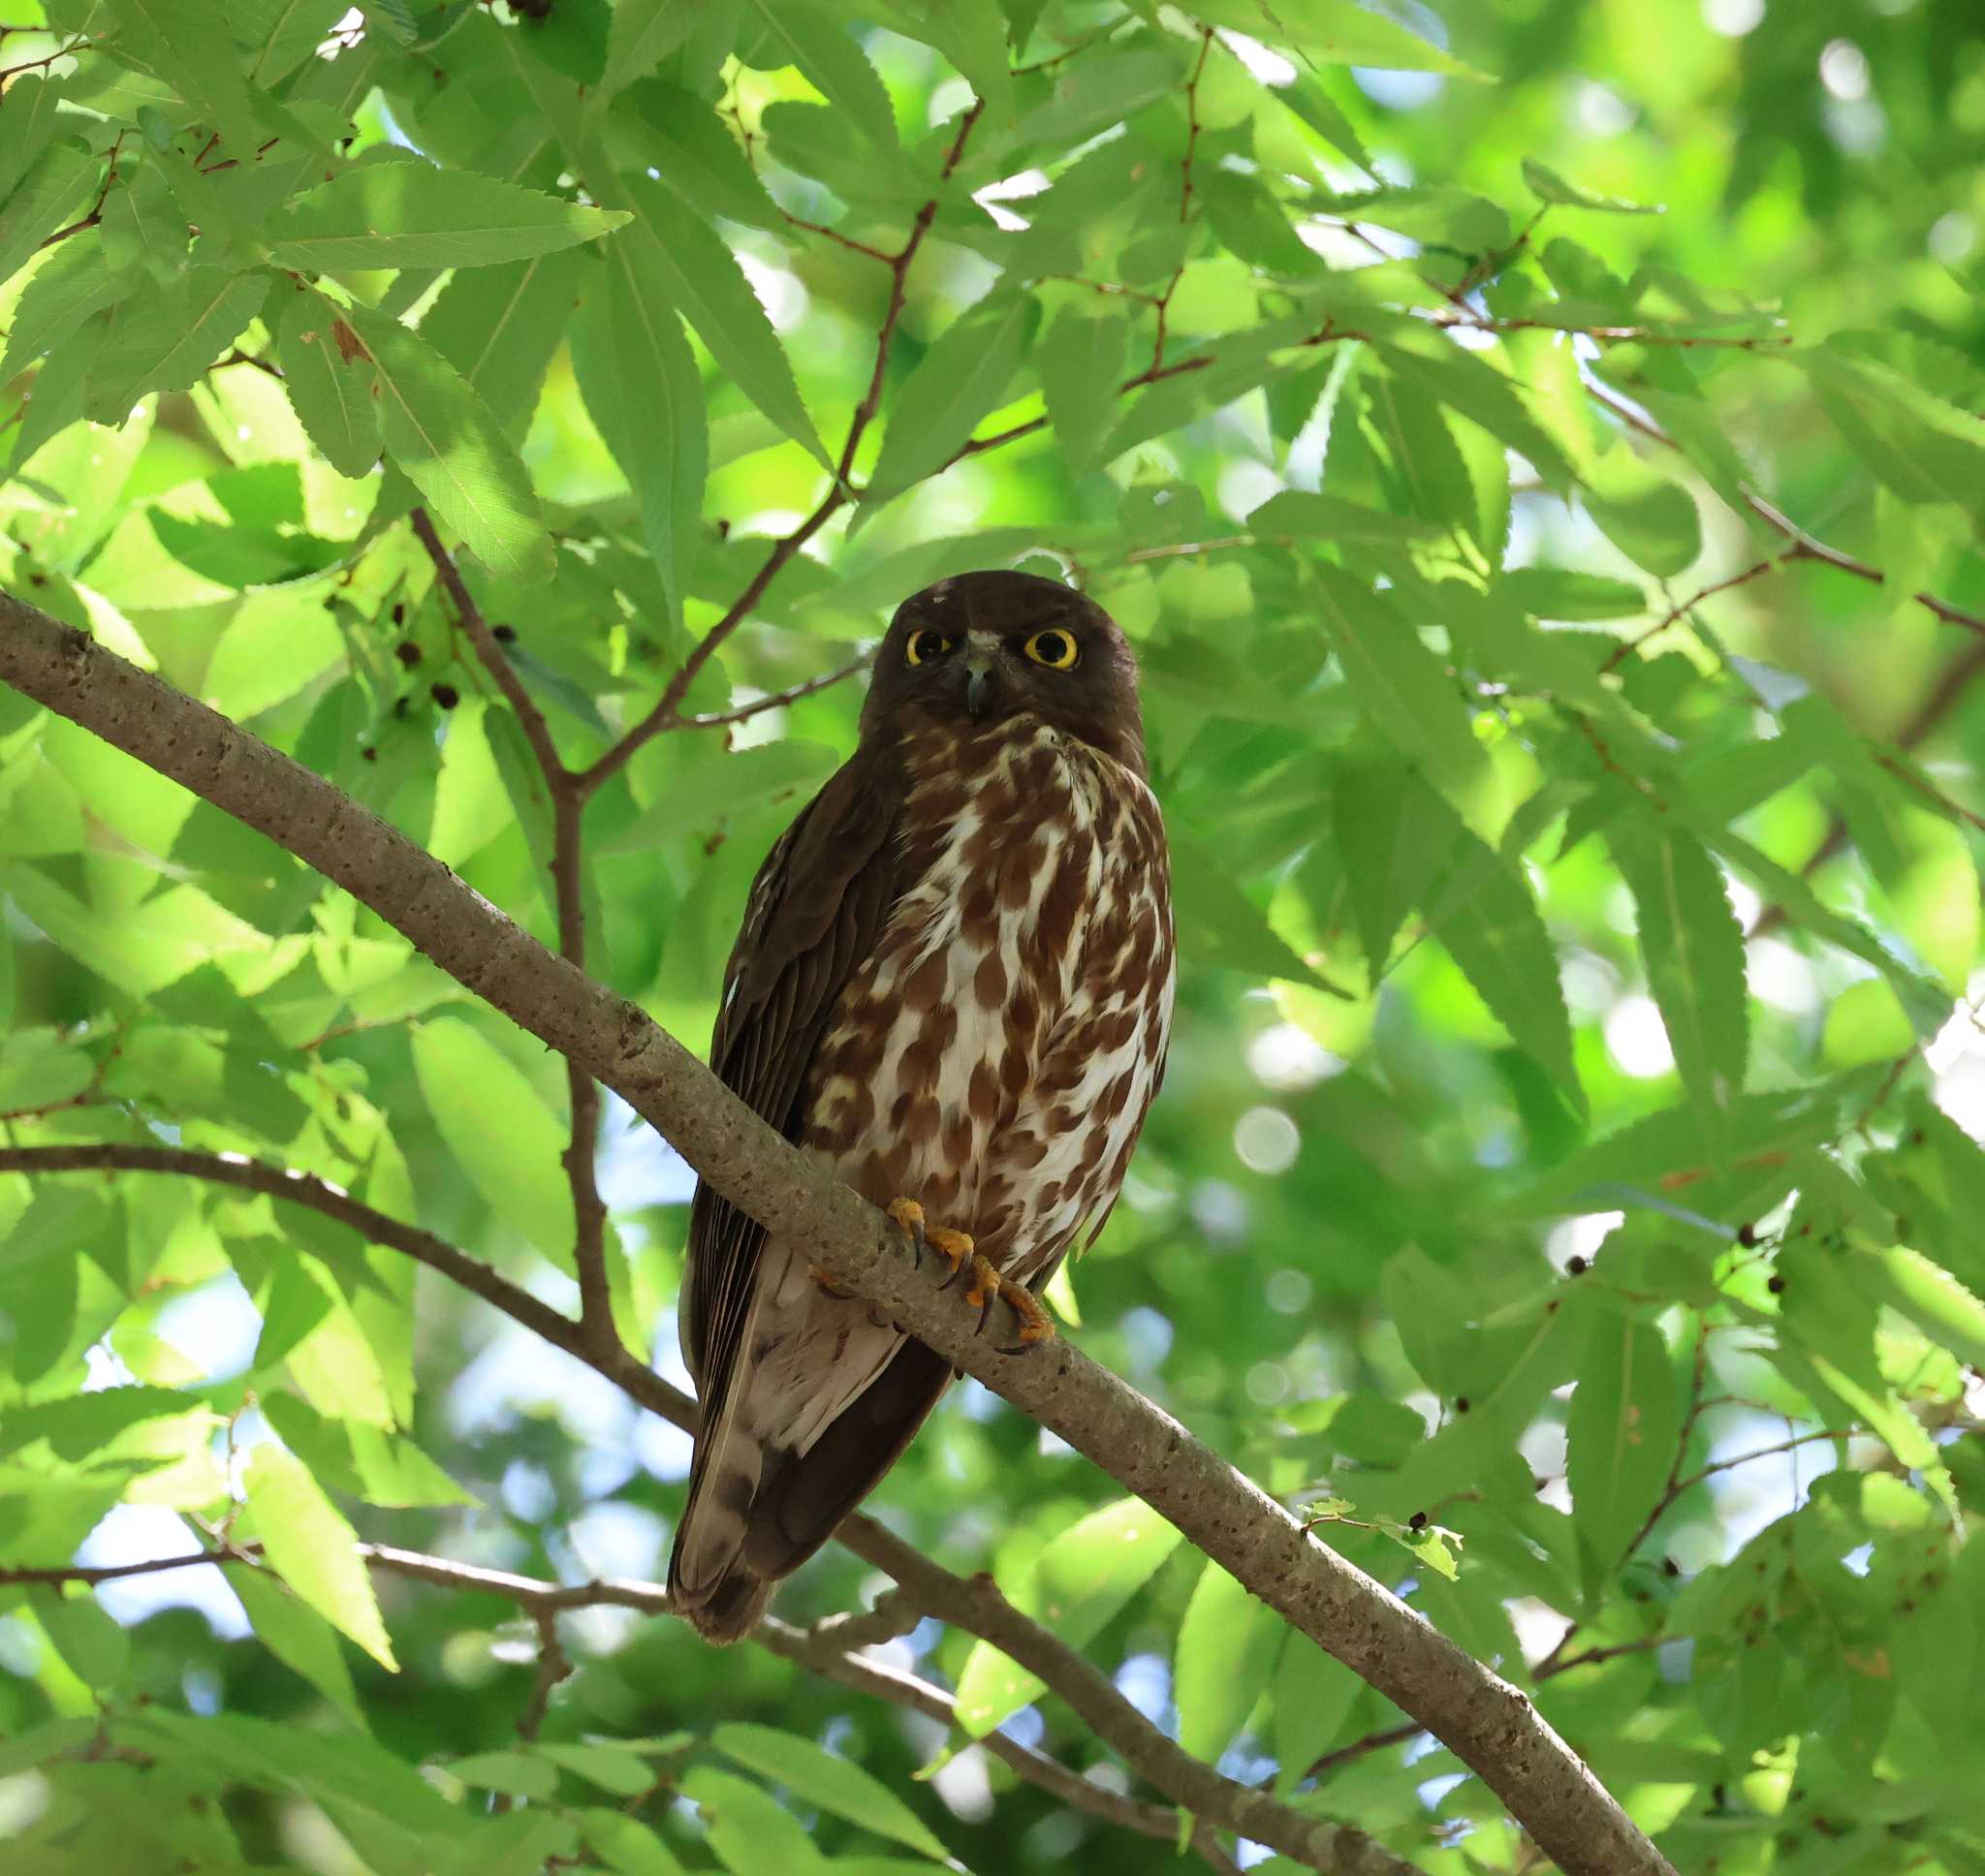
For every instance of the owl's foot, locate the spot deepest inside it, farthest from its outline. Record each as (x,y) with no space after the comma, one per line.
(955,1247)
(827,1284)
(988,1284)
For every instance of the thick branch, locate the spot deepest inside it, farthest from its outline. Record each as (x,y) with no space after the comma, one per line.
(1489,1724)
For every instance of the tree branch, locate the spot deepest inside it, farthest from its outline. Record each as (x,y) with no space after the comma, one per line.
(926,1588)
(1489,1724)
(568,894)
(1807,546)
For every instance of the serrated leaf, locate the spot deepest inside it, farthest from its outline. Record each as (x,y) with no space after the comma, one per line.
(56,185)
(830,59)
(518,1774)
(185,42)
(965,374)
(1298,514)
(313,1549)
(681,134)
(1922,446)
(1339,31)
(1226,1652)
(1083,1578)
(500,327)
(1547,185)
(640,34)
(612,1769)
(1481,910)
(1398,682)
(443,435)
(164,339)
(1621,1436)
(641,388)
(1080,362)
(329,376)
(1555,593)
(499,1129)
(627,1845)
(1313,1695)
(68,286)
(679,260)
(1435,479)
(819,1777)
(300,1638)
(1649,518)
(415,215)
(1220,926)
(749,1830)
(1694,951)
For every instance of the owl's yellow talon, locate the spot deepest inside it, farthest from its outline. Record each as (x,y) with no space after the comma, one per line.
(955,1247)
(827,1283)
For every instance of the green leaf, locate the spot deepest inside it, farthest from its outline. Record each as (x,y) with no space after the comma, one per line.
(1339,31)
(500,1131)
(1226,1654)
(627,1845)
(415,215)
(681,134)
(748,1830)
(1301,516)
(1694,951)
(1547,185)
(1553,593)
(1621,1437)
(1397,681)
(1922,446)
(1083,1578)
(1313,1696)
(329,376)
(519,1774)
(679,261)
(798,34)
(1220,926)
(68,286)
(835,1784)
(86,1637)
(642,391)
(1481,910)
(186,42)
(500,327)
(300,1638)
(1935,1301)
(1081,362)
(444,437)
(360,1456)
(313,1549)
(640,36)
(164,339)
(613,1768)
(963,376)
(1649,518)
(32,117)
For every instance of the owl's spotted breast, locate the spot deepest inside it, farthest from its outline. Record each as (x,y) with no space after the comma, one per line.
(996,1053)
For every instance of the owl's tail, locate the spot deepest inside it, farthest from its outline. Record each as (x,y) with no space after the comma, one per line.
(710,1580)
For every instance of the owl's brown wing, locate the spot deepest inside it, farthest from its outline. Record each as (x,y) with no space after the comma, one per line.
(816,909)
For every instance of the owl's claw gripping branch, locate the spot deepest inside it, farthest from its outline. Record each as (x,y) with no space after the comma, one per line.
(955,1247)
(988,1284)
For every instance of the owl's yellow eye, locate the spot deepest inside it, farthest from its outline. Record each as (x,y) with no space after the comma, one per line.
(925,644)
(1057,651)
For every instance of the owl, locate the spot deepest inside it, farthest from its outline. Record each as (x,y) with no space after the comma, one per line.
(954,988)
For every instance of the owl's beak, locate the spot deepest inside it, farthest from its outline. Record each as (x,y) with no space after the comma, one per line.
(978,688)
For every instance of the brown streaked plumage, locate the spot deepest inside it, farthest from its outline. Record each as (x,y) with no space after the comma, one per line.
(953,984)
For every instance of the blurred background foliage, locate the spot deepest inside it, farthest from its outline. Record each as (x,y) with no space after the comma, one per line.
(1514,436)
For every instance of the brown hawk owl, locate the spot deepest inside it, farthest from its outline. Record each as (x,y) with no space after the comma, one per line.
(953,986)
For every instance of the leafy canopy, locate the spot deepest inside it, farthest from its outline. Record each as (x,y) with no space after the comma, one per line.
(1515,439)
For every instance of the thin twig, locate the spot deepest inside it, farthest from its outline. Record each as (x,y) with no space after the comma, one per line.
(568,892)
(774,700)
(1810,549)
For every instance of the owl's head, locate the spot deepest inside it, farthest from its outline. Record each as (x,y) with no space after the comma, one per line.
(979,648)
